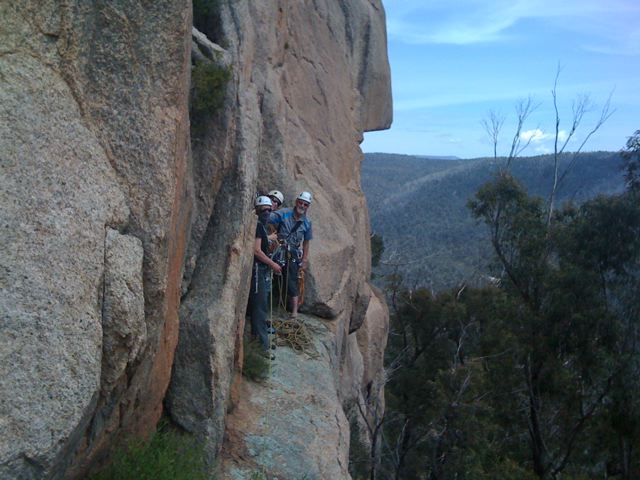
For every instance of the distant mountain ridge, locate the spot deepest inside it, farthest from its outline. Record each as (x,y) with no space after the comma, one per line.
(418,205)
(428,157)
(439,157)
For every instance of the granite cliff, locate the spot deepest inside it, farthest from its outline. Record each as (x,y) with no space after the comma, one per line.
(127,225)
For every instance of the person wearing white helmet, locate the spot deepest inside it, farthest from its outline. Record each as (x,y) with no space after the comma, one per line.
(261,278)
(295,231)
(277,199)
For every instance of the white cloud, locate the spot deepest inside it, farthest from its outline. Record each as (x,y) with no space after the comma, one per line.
(537,136)
(562,135)
(612,24)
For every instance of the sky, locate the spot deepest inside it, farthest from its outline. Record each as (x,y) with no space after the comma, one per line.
(454,61)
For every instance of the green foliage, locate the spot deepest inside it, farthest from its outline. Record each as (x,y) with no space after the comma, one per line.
(517,231)
(209,82)
(359,454)
(377,249)
(573,280)
(631,157)
(256,364)
(258,476)
(436,399)
(168,455)
(537,377)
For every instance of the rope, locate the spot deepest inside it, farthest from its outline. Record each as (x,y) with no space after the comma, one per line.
(270,324)
(282,290)
(294,334)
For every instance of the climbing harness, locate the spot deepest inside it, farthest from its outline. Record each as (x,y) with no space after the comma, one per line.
(282,255)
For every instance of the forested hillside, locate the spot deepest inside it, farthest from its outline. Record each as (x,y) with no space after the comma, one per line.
(419,206)
(534,375)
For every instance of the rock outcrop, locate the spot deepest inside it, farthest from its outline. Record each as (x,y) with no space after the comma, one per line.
(94,136)
(124,227)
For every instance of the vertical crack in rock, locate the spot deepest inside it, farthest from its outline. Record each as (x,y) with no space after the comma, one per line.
(124,331)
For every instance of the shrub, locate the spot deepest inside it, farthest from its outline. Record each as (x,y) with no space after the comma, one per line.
(169,455)
(256,364)
(210,84)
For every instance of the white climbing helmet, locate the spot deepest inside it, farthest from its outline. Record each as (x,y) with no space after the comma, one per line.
(278,194)
(263,201)
(305,197)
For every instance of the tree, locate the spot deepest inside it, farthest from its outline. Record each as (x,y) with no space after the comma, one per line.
(631,157)
(580,106)
(493,127)
(494,123)
(574,282)
(377,249)
(537,376)
(438,425)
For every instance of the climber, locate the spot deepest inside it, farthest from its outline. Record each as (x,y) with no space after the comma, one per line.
(277,199)
(294,233)
(261,278)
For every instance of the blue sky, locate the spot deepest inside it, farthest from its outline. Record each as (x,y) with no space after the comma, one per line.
(452,61)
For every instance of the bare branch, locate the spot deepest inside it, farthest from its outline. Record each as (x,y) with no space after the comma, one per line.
(605,114)
(524,108)
(579,107)
(492,124)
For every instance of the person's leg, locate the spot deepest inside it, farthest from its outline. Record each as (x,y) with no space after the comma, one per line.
(294,307)
(259,303)
(292,287)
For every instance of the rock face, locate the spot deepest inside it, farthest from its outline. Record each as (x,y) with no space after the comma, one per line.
(293,424)
(296,423)
(122,224)
(94,140)
(308,79)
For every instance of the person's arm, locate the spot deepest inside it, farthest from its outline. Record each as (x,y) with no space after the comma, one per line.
(274,220)
(305,254)
(260,255)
